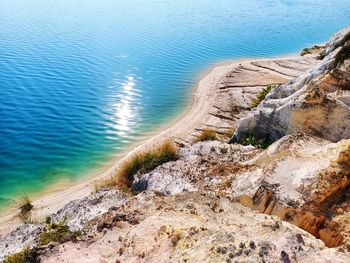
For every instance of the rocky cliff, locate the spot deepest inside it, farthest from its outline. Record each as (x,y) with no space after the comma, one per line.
(317,102)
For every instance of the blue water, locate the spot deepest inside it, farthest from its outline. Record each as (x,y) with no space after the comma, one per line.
(80,80)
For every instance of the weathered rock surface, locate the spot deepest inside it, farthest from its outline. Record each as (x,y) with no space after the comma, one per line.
(299,175)
(204,166)
(192,227)
(241,82)
(79,212)
(22,237)
(317,102)
(302,178)
(75,214)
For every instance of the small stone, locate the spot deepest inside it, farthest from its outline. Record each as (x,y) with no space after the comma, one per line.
(223,150)
(223,250)
(341,250)
(121,224)
(232,247)
(175,239)
(252,245)
(134,221)
(340,211)
(285,257)
(300,239)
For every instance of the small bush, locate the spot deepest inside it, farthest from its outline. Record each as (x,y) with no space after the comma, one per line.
(27,255)
(261,143)
(25,207)
(262,94)
(206,135)
(59,233)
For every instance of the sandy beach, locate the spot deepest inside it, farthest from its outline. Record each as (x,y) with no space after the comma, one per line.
(217,88)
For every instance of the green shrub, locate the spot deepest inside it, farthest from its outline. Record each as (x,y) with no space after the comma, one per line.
(206,135)
(262,94)
(27,255)
(261,143)
(59,233)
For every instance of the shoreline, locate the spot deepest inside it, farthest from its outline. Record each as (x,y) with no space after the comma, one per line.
(55,197)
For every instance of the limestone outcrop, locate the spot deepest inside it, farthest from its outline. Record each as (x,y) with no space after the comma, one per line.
(300,178)
(191,227)
(317,102)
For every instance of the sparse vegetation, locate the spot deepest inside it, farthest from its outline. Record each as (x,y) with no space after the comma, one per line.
(59,232)
(140,163)
(312,50)
(230,133)
(25,208)
(262,94)
(147,161)
(27,255)
(206,135)
(261,143)
(105,184)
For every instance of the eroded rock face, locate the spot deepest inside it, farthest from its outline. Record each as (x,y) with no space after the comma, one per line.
(317,102)
(77,213)
(299,178)
(204,166)
(302,178)
(21,237)
(192,227)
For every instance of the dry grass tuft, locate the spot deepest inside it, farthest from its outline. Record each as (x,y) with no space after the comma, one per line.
(25,208)
(206,135)
(140,163)
(230,133)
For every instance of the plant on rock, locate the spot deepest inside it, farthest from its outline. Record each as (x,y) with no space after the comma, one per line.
(206,135)
(262,94)
(261,143)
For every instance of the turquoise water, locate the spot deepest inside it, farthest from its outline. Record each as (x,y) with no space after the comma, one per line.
(80,80)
